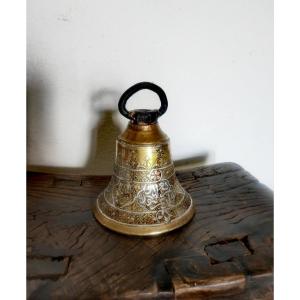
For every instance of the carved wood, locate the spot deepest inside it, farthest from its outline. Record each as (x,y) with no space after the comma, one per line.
(225,252)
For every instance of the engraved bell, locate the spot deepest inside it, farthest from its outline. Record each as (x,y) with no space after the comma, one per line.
(144,197)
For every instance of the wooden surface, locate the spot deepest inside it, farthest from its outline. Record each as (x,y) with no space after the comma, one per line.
(225,252)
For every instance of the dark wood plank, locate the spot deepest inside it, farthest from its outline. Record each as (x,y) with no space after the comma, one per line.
(47,267)
(225,252)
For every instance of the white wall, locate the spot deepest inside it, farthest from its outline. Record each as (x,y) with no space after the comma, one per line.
(213,58)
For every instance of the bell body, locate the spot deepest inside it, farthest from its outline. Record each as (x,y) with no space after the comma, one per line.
(144,197)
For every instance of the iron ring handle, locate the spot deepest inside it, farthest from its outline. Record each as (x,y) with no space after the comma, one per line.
(143,115)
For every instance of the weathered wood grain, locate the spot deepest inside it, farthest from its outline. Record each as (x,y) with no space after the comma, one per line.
(225,252)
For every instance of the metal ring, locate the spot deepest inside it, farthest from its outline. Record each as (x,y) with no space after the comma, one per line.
(141,86)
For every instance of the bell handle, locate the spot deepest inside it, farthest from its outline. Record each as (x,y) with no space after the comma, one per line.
(143,115)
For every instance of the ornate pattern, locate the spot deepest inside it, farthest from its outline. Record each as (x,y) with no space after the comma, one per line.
(142,157)
(144,189)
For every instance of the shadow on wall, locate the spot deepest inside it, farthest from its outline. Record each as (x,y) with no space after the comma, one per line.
(103,136)
(102,149)
(38,106)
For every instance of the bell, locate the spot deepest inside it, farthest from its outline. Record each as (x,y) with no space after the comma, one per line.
(144,197)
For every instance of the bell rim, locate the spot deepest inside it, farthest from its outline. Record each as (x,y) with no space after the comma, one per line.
(143,230)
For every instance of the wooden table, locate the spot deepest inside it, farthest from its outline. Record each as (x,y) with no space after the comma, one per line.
(225,252)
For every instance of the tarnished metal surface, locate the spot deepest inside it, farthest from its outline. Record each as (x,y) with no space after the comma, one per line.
(144,196)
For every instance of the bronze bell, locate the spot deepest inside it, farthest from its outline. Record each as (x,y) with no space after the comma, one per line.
(144,197)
